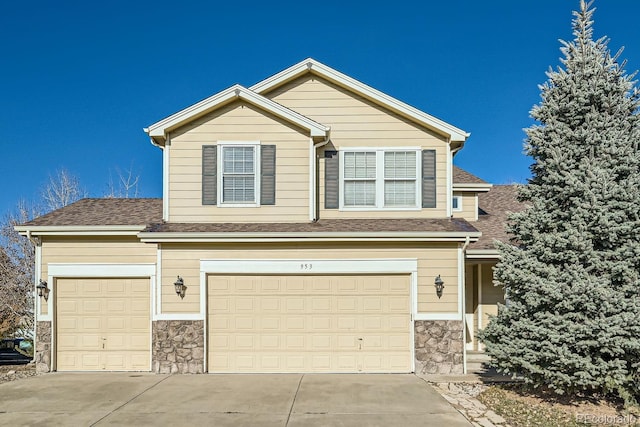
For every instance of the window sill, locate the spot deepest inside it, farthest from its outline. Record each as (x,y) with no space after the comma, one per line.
(374,209)
(238,205)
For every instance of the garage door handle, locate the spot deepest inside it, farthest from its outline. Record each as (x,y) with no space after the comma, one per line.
(359,343)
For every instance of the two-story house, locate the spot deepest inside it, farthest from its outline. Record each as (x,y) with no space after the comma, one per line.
(309,223)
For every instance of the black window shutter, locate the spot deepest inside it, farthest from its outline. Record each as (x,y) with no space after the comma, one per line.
(209,174)
(268,175)
(331,180)
(428,178)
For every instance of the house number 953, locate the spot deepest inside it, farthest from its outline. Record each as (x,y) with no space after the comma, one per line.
(306,266)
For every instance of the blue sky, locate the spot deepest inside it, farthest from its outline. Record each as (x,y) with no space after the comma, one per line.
(79,80)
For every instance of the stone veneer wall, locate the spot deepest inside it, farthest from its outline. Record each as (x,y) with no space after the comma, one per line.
(439,347)
(178,346)
(42,356)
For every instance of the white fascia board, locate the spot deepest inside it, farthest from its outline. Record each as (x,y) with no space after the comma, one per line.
(478,188)
(160,129)
(80,230)
(309,64)
(308,237)
(482,254)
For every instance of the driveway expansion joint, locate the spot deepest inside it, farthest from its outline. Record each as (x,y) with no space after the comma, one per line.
(293,402)
(131,400)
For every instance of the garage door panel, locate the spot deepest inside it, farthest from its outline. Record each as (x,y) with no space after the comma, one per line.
(103,324)
(309,324)
(91,307)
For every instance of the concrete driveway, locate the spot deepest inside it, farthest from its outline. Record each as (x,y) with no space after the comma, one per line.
(128,399)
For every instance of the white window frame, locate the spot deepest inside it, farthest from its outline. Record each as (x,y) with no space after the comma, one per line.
(459,199)
(380,180)
(256,169)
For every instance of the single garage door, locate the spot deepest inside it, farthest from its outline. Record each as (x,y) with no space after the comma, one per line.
(103,324)
(309,323)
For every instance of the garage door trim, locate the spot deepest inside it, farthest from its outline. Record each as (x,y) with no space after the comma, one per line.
(89,271)
(304,266)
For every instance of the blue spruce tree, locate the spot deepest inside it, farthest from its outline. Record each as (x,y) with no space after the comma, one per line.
(572,274)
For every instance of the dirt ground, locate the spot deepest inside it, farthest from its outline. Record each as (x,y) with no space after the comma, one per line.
(15,372)
(525,407)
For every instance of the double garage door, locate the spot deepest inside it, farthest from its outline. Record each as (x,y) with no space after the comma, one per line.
(103,324)
(309,323)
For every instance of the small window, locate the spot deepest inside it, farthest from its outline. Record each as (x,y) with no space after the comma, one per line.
(239,180)
(456,203)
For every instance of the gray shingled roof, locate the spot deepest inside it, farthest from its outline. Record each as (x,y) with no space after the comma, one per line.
(96,212)
(494,206)
(148,212)
(461,176)
(323,225)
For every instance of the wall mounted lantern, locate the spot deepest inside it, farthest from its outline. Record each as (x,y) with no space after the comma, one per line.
(43,290)
(439,284)
(180,287)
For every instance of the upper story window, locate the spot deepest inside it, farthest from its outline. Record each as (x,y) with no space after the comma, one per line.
(238,174)
(380,179)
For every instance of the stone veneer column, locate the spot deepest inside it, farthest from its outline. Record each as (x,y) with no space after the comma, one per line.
(42,354)
(439,347)
(178,346)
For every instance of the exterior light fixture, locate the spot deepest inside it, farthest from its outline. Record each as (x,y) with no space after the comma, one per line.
(439,284)
(43,290)
(180,287)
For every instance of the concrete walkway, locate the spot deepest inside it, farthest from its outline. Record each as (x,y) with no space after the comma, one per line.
(128,399)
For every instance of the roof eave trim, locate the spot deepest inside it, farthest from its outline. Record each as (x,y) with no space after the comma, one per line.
(482,254)
(309,64)
(158,131)
(472,187)
(308,237)
(80,230)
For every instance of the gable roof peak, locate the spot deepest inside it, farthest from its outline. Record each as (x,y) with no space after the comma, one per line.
(310,65)
(158,131)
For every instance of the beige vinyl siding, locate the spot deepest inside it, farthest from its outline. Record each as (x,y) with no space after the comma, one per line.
(442,259)
(357,122)
(239,122)
(469,206)
(106,250)
(93,250)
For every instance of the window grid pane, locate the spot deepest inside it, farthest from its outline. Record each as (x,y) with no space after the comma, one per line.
(360,193)
(400,193)
(238,160)
(360,165)
(400,165)
(238,188)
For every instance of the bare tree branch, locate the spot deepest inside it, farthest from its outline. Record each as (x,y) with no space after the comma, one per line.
(126,185)
(61,190)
